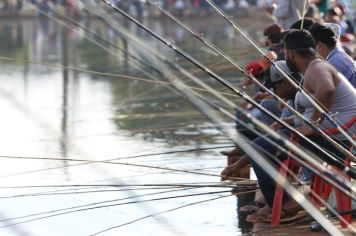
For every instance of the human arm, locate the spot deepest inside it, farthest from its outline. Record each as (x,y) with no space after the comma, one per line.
(321,85)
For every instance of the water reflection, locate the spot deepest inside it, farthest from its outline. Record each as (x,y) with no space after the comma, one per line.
(50,109)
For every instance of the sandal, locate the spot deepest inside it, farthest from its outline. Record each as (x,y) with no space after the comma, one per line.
(254,207)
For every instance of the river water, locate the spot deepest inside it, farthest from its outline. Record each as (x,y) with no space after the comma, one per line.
(67,95)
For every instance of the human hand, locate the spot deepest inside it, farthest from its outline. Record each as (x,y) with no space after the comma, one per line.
(276,126)
(259,96)
(226,173)
(306,131)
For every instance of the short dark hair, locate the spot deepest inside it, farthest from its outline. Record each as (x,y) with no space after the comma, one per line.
(323,34)
(307,22)
(274,33)
(301,41)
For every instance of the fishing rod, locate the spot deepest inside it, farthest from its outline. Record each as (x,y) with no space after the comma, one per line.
(87,205)
(237,191)
(172,46)
(158,213)
(303,14)
(221,80)
(75,165)
(240,140)
(185,185)
(112,162)
(241,69)
(78,192)
(114,205)
(109,162)
(332,120)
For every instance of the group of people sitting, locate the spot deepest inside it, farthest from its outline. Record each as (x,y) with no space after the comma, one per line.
(311,55)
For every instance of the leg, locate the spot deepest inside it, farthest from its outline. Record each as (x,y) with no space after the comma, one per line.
(266,183)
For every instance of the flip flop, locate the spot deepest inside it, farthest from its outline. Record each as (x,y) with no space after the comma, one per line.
(256,204)
(287,217)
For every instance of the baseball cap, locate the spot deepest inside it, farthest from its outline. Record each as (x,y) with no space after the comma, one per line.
(255,68)
(275,75)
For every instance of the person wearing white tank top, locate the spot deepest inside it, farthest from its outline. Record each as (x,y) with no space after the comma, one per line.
(321,81)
